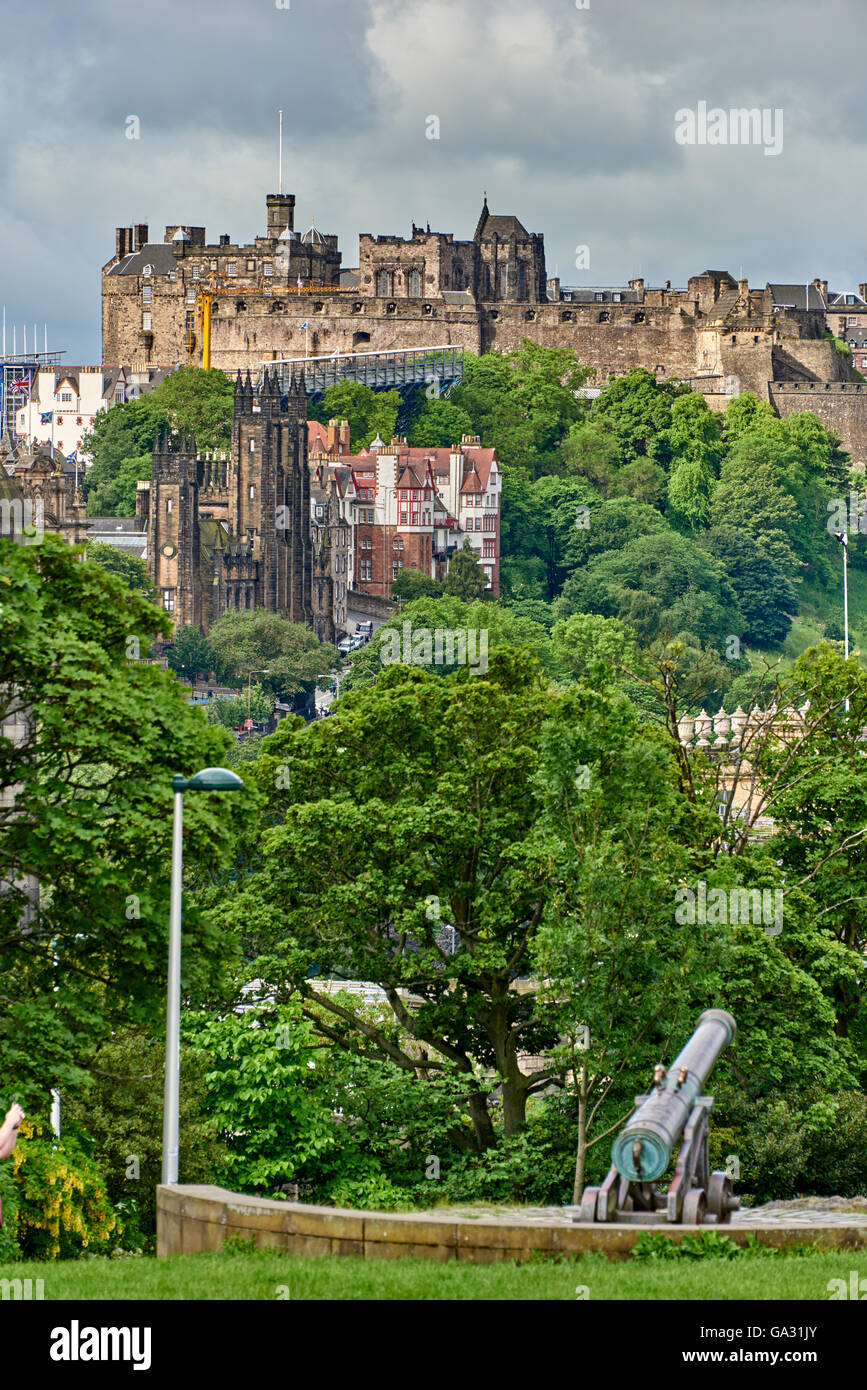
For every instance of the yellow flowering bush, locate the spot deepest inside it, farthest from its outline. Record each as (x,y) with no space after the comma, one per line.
(63,1207)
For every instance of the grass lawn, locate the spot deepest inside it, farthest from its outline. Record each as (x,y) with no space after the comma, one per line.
(263,1274)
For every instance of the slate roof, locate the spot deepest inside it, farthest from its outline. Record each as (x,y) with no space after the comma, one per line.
(158,254)
(797,296)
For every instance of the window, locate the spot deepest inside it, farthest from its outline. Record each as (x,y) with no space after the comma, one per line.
(252,491)
(168,506)
(599,297)
(231,268)
(504,280)
(169,600)
(414,284)
(488,550)
(267,269)
(146,323)
(403,517)
(383,283)
(251,265)
(196,270)
(397,566)
(66,395)
(60,419)
(366,543)
(616,297)
(118,396)
(366,566)
(147,270)
(851,322)
(213,265)
(191,296)
(146,294)
(78,420)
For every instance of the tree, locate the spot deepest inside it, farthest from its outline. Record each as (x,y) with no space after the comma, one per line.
(190,654)
(750,498)
(117,495)
(87,793)
(370,413)
(411,584)
(657,584)
(465,578)
(765,597)
(423,791)
(689,490)
(522,403)
(439,424)
(198,402)
(231,712)
(130,568)
(247,642)
(636,408)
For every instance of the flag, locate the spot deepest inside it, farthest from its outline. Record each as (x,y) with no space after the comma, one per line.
(45,417)
(70,458)
(20,386)
(304,324)
(300,283)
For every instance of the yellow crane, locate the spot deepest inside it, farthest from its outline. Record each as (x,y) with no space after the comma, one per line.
(208,289)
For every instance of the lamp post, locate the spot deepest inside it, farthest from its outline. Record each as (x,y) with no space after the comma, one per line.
(843,538)
(210,779)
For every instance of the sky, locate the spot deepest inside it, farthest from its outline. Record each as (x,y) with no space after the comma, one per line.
(566,116)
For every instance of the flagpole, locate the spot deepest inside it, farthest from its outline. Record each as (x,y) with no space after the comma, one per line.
(280,160)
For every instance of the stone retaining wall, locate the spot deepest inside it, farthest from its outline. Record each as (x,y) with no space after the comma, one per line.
(190,1219)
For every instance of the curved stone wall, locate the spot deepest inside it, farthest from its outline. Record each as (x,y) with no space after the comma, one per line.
(190,1219)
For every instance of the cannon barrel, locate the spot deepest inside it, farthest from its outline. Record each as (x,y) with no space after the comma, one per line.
(642,1151)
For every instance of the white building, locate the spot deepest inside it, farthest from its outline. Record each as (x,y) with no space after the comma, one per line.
(65,401)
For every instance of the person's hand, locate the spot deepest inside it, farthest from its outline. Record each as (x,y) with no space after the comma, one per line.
(15,1114)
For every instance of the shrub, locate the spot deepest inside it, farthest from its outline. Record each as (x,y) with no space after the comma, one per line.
(63,1206)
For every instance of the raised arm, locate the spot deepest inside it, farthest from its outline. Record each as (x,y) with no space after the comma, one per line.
(9,1129)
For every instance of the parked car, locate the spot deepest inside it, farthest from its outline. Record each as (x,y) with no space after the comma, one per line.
(345,647)
(364,629)
(356,642)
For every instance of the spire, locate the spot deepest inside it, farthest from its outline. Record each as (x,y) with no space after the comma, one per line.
(483,218)
(302,384)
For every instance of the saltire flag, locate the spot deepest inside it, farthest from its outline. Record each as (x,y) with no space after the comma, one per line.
(304,324)
(45,417)
(70,458)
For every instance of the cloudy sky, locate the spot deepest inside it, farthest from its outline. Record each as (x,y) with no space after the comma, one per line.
(565,115)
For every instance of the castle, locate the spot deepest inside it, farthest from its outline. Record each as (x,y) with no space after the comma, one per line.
(234,533)
(286,296)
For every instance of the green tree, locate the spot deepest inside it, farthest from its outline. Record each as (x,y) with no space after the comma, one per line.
(657,584)
(190,654)
(230,712)
(690,486)
(90,788)
(750,498)
(465,578)
(246,643)
(438,772)
(636,408)
(411,584)
(370,413)
(198,402)
(765,597)
(439,424)
(130,568)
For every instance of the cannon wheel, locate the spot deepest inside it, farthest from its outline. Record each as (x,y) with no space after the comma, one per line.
(587,1211)
(719,1191)
(694,1206)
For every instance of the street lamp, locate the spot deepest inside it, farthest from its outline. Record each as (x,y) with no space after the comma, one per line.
(210,779)
(843,538)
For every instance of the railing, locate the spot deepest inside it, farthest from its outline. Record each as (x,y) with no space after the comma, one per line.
(403,367)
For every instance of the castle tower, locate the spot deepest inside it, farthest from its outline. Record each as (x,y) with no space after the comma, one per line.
(173,528)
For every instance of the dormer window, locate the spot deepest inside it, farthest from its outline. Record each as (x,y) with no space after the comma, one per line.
(147,270)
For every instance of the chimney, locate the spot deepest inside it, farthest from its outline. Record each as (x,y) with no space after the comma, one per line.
(862,290)
(668,284)
(345,443)
(554,288)
(123,241)
(822,287)
(638,286)
(224,239)
(331,438)
(141,235)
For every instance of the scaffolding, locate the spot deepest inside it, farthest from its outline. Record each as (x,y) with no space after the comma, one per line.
(17,371)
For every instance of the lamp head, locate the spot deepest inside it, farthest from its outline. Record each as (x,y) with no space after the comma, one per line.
(210,779)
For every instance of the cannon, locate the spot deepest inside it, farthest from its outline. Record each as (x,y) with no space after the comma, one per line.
(642,1151)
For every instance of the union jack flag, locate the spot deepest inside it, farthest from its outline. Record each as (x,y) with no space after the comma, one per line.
(20,386)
